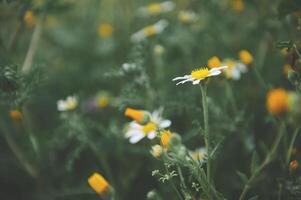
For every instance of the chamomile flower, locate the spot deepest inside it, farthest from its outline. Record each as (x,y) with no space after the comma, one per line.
(187,17)
(197,75)
(69,104)
(198,154)
(136,132)
(150,30)
(235,69)
(156,8)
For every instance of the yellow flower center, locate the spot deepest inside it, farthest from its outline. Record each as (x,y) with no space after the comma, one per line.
(149,127)
(154,8)
(16,115)
(200,73)
(277,101)
(105,30)
(103,102)
(29,18)
(214,62)
(149,31)
(98,183)
(245,57)
(165,137)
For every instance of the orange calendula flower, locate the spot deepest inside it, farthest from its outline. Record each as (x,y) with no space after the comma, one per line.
(214,62)
(245,57)
(98,183)
(165,138)
(277,101)
(29,18)
(105,30)
(16,115)
(139,116)
(294,165)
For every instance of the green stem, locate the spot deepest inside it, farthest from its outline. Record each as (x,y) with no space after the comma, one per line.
(206,130)
(173,184)
(289,152)
(266,161)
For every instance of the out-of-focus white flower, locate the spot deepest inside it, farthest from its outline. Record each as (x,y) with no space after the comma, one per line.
(156,8)
(128,66)
(187,17)
(156,150)
(69,104)
(135,131)
(148,31)
(198,154)
(197,75)
(159,49)
(235,69)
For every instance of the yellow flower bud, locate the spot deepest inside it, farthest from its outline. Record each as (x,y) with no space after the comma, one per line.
(98,183)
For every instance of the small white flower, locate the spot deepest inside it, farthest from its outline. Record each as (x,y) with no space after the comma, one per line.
(135,131)
(235,69)
(199,74)
(128,66)
(187,16)
(69,104)
(157,150)
(156,8)
(148,31)
(199,154)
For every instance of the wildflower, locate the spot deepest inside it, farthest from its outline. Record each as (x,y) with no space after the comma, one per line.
(69,104)
(287,68)
(98,183)
(238,5)
(235,69)
(29,18)
(294,165)
(16,115)
(140,116)
(284,52)
(128,67)
(197,75)
(277,101)
(165,138)
(198,154)
(102,99)
(135,131)
(156,151)
(148,31)
(156,8)
(105,30)
(187,17)
(159,49)
(214,62)
(245,57)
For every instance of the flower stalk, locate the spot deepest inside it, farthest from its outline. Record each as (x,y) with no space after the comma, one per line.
(206,130)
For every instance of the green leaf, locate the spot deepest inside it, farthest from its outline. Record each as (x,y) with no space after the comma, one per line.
(242,176)
(254,198)
(254,162)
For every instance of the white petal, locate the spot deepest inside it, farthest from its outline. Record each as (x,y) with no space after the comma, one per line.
(196,81)
(151,135)
(235,74)
(136,138)
(181,77)
(242,68)
(165,123)
(215,73)
(134,125)
(218,68)
(131,133)
(184,81)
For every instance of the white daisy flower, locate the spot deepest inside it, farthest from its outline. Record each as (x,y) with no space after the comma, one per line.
(69,104)
(156,8)
(187,17)
(235,69)
(135,131)
(197,75)
(148,31)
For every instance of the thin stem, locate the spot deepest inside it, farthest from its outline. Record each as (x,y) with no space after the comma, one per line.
(266,161)
(33,45)
(173,184)
(289,152)
(206,129)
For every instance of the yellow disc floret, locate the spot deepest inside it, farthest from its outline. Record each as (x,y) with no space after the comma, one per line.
(214,62)
(149,127)
(200,73)
(105,30)
(98,183)
(165,138)
(277,101)
(245,57)
(154,8)
(149,31)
